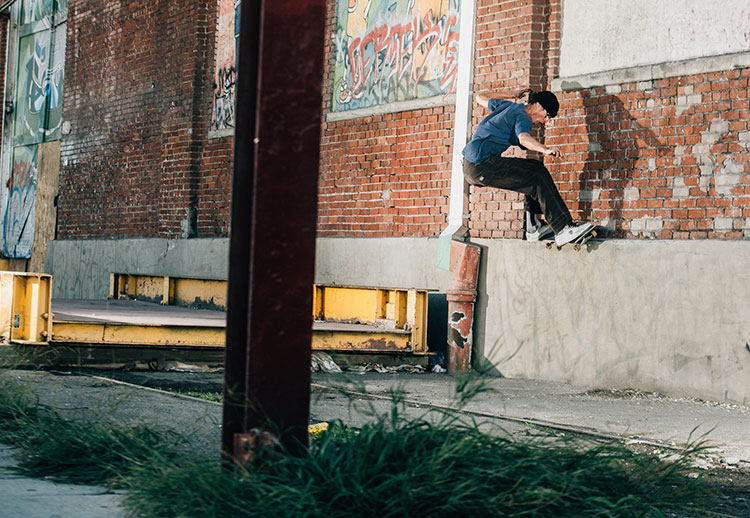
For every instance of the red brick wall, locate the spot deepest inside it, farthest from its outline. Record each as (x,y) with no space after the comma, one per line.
(137,95)
(215,188)
(663,159)
(383,175)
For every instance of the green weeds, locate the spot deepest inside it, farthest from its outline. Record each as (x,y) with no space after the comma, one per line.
(99,452)
(437,465)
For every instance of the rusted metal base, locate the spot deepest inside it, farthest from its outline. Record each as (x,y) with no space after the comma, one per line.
(248,446)
(465,268)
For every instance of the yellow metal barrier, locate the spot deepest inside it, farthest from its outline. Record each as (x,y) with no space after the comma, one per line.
(180,291)
(347,318)
(25,302)
(370,319)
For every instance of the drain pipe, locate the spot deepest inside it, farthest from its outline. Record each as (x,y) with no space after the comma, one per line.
(461,297)
(453,254)
(456,228)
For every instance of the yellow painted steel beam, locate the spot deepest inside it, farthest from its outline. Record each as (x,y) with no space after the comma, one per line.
(419,330)
(350,304)
(365,342)
(137,334)
(188,336)
(200,292)
(165,290)
(25,301)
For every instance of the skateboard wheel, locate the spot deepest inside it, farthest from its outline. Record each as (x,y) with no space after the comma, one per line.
(577,247)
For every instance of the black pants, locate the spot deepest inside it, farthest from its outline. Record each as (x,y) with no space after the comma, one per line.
(527,176)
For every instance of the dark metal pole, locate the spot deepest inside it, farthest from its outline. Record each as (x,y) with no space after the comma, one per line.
(274,215)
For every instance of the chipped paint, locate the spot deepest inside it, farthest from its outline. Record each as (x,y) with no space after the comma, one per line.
(465,268)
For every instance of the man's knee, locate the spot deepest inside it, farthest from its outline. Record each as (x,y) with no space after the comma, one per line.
(539,170)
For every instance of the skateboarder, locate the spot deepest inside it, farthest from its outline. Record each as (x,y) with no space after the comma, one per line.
(508,125)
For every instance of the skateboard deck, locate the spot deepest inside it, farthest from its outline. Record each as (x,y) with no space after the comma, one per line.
(578,242)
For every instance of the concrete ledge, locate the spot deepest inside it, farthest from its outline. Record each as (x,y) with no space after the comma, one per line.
(665,316)
(404,262)
(651,72)
(399,106)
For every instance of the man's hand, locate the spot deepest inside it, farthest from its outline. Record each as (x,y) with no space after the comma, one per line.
(523,92)
(532,144)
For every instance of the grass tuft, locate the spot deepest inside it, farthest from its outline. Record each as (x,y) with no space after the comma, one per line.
(444,467)
(438,465)
(101,452)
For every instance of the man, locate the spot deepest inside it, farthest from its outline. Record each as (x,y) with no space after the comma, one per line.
(508,125)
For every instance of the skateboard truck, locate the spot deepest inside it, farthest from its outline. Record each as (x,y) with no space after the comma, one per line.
(577,242)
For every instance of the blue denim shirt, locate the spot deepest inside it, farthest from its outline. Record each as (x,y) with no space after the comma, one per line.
(498,131)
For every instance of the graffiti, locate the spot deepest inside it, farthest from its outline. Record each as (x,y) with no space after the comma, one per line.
(225,75)
(32,96)
(18,222)
(394,51)
(223,109)
(34,10)
(36,117)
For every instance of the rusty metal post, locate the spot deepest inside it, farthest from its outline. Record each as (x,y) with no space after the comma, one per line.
(461,297)
(274,214)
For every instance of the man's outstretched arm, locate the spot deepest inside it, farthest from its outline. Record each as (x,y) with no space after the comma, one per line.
(483,98)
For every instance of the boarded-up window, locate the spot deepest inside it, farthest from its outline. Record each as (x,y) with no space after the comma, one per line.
(35,85)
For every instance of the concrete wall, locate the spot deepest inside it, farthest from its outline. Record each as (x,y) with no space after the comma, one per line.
(668,316)
(600,36)
(656,315)
(385,262)
(80,268)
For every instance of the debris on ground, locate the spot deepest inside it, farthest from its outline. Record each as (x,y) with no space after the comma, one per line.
(379,367)
(323,362)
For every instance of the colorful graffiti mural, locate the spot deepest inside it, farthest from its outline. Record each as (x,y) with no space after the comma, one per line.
(36,116)
(18,223)
(228,28)
(394,50)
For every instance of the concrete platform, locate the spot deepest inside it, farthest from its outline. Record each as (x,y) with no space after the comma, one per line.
(117,322)
(134,312)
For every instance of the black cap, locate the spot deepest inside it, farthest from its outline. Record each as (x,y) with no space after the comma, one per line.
(547,99)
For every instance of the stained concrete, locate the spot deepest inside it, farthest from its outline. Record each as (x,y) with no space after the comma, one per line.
(24,497)
(604,36)
(667,316)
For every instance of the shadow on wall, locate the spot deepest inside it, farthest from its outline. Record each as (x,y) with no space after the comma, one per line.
(619,165)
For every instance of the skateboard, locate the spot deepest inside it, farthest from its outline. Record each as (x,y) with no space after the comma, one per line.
(578,242)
